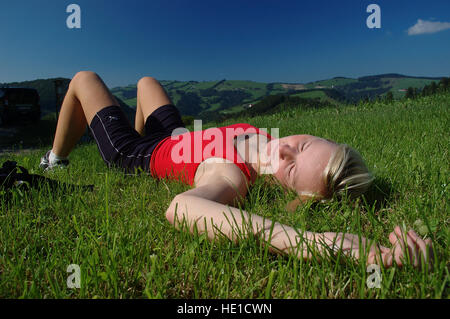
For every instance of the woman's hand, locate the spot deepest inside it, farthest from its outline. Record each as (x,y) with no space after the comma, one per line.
(408,244)
(404,245)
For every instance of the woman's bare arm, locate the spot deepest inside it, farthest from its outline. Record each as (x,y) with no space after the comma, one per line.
(198,208)
(207,208)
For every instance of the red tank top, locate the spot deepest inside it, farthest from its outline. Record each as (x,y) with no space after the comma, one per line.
(178,157)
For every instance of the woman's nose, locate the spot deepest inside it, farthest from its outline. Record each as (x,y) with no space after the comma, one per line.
(286,152)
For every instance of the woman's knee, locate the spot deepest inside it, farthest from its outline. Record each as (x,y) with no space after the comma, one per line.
(146,81)
(84,76)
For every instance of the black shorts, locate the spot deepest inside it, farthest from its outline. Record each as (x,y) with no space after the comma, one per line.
(121,146)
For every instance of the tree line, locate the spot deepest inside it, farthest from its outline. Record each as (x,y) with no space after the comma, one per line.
(412,92)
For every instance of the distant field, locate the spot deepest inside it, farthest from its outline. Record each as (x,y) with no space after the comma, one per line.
(222,96)
(402,84)
(230,96)
(125,248)
(331,82)
(312,95)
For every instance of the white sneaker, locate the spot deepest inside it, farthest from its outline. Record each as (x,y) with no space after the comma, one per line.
(46,165)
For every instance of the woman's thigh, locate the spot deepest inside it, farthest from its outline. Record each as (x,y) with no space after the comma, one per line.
(92,93)
(118,143)
(150,96)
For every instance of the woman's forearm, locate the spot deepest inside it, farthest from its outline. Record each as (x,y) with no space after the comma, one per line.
(216,219)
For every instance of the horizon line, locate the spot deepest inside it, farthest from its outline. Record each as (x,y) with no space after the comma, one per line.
(275,82)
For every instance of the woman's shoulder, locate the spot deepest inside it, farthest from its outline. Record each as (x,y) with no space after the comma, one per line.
(210,169)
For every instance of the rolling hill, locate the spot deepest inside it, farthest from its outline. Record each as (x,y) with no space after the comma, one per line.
(208,99)
(230,96)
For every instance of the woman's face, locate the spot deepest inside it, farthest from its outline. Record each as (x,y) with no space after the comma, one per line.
(298,162)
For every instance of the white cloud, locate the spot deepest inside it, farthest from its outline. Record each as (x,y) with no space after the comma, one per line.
(423,27)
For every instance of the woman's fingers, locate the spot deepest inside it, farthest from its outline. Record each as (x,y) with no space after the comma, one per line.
(416,246)
(384,249)
(425,246)
(380,255)
(398,232)
(412,249)
(399,246)
(388,259)
(392,238)
(403,242)
(398,253)
(420,243)
(406,243)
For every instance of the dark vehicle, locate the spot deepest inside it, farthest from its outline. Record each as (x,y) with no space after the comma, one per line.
(19,103)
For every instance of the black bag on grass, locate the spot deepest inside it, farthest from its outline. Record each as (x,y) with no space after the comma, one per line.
(15,176)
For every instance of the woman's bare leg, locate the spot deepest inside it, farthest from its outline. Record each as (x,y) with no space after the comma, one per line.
(87,94)
(139,119)
(150,96)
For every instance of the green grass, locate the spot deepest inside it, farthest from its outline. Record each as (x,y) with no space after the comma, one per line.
(131,102)
(126,249)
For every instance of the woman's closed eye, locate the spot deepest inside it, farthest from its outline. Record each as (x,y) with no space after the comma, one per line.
(303,146)
(291,171)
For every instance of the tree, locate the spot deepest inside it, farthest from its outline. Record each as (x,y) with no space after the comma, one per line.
(433,87)
(189,104)
(409,93)
(389,96)
(445,83)
(426,90)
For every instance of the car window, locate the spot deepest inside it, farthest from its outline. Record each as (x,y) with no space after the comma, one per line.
(2,93)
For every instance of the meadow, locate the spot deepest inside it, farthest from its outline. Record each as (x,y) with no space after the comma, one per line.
(125,248)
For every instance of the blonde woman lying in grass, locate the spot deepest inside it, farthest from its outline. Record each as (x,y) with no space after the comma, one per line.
(316,168)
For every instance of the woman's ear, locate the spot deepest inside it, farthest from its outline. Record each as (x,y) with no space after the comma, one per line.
(300,200)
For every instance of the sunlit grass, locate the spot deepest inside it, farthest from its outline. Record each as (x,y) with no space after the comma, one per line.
(119,236)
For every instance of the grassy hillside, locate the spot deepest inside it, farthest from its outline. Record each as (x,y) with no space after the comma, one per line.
(230,96)
(215,98)
(119,236)
(194,97)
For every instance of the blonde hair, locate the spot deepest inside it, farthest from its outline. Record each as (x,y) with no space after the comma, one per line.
(345,174)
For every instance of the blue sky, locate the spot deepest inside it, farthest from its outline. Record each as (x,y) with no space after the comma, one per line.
(267,41)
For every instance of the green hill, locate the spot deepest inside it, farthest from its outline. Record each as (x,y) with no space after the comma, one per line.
(214,99)
(373,86)
(232,96)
